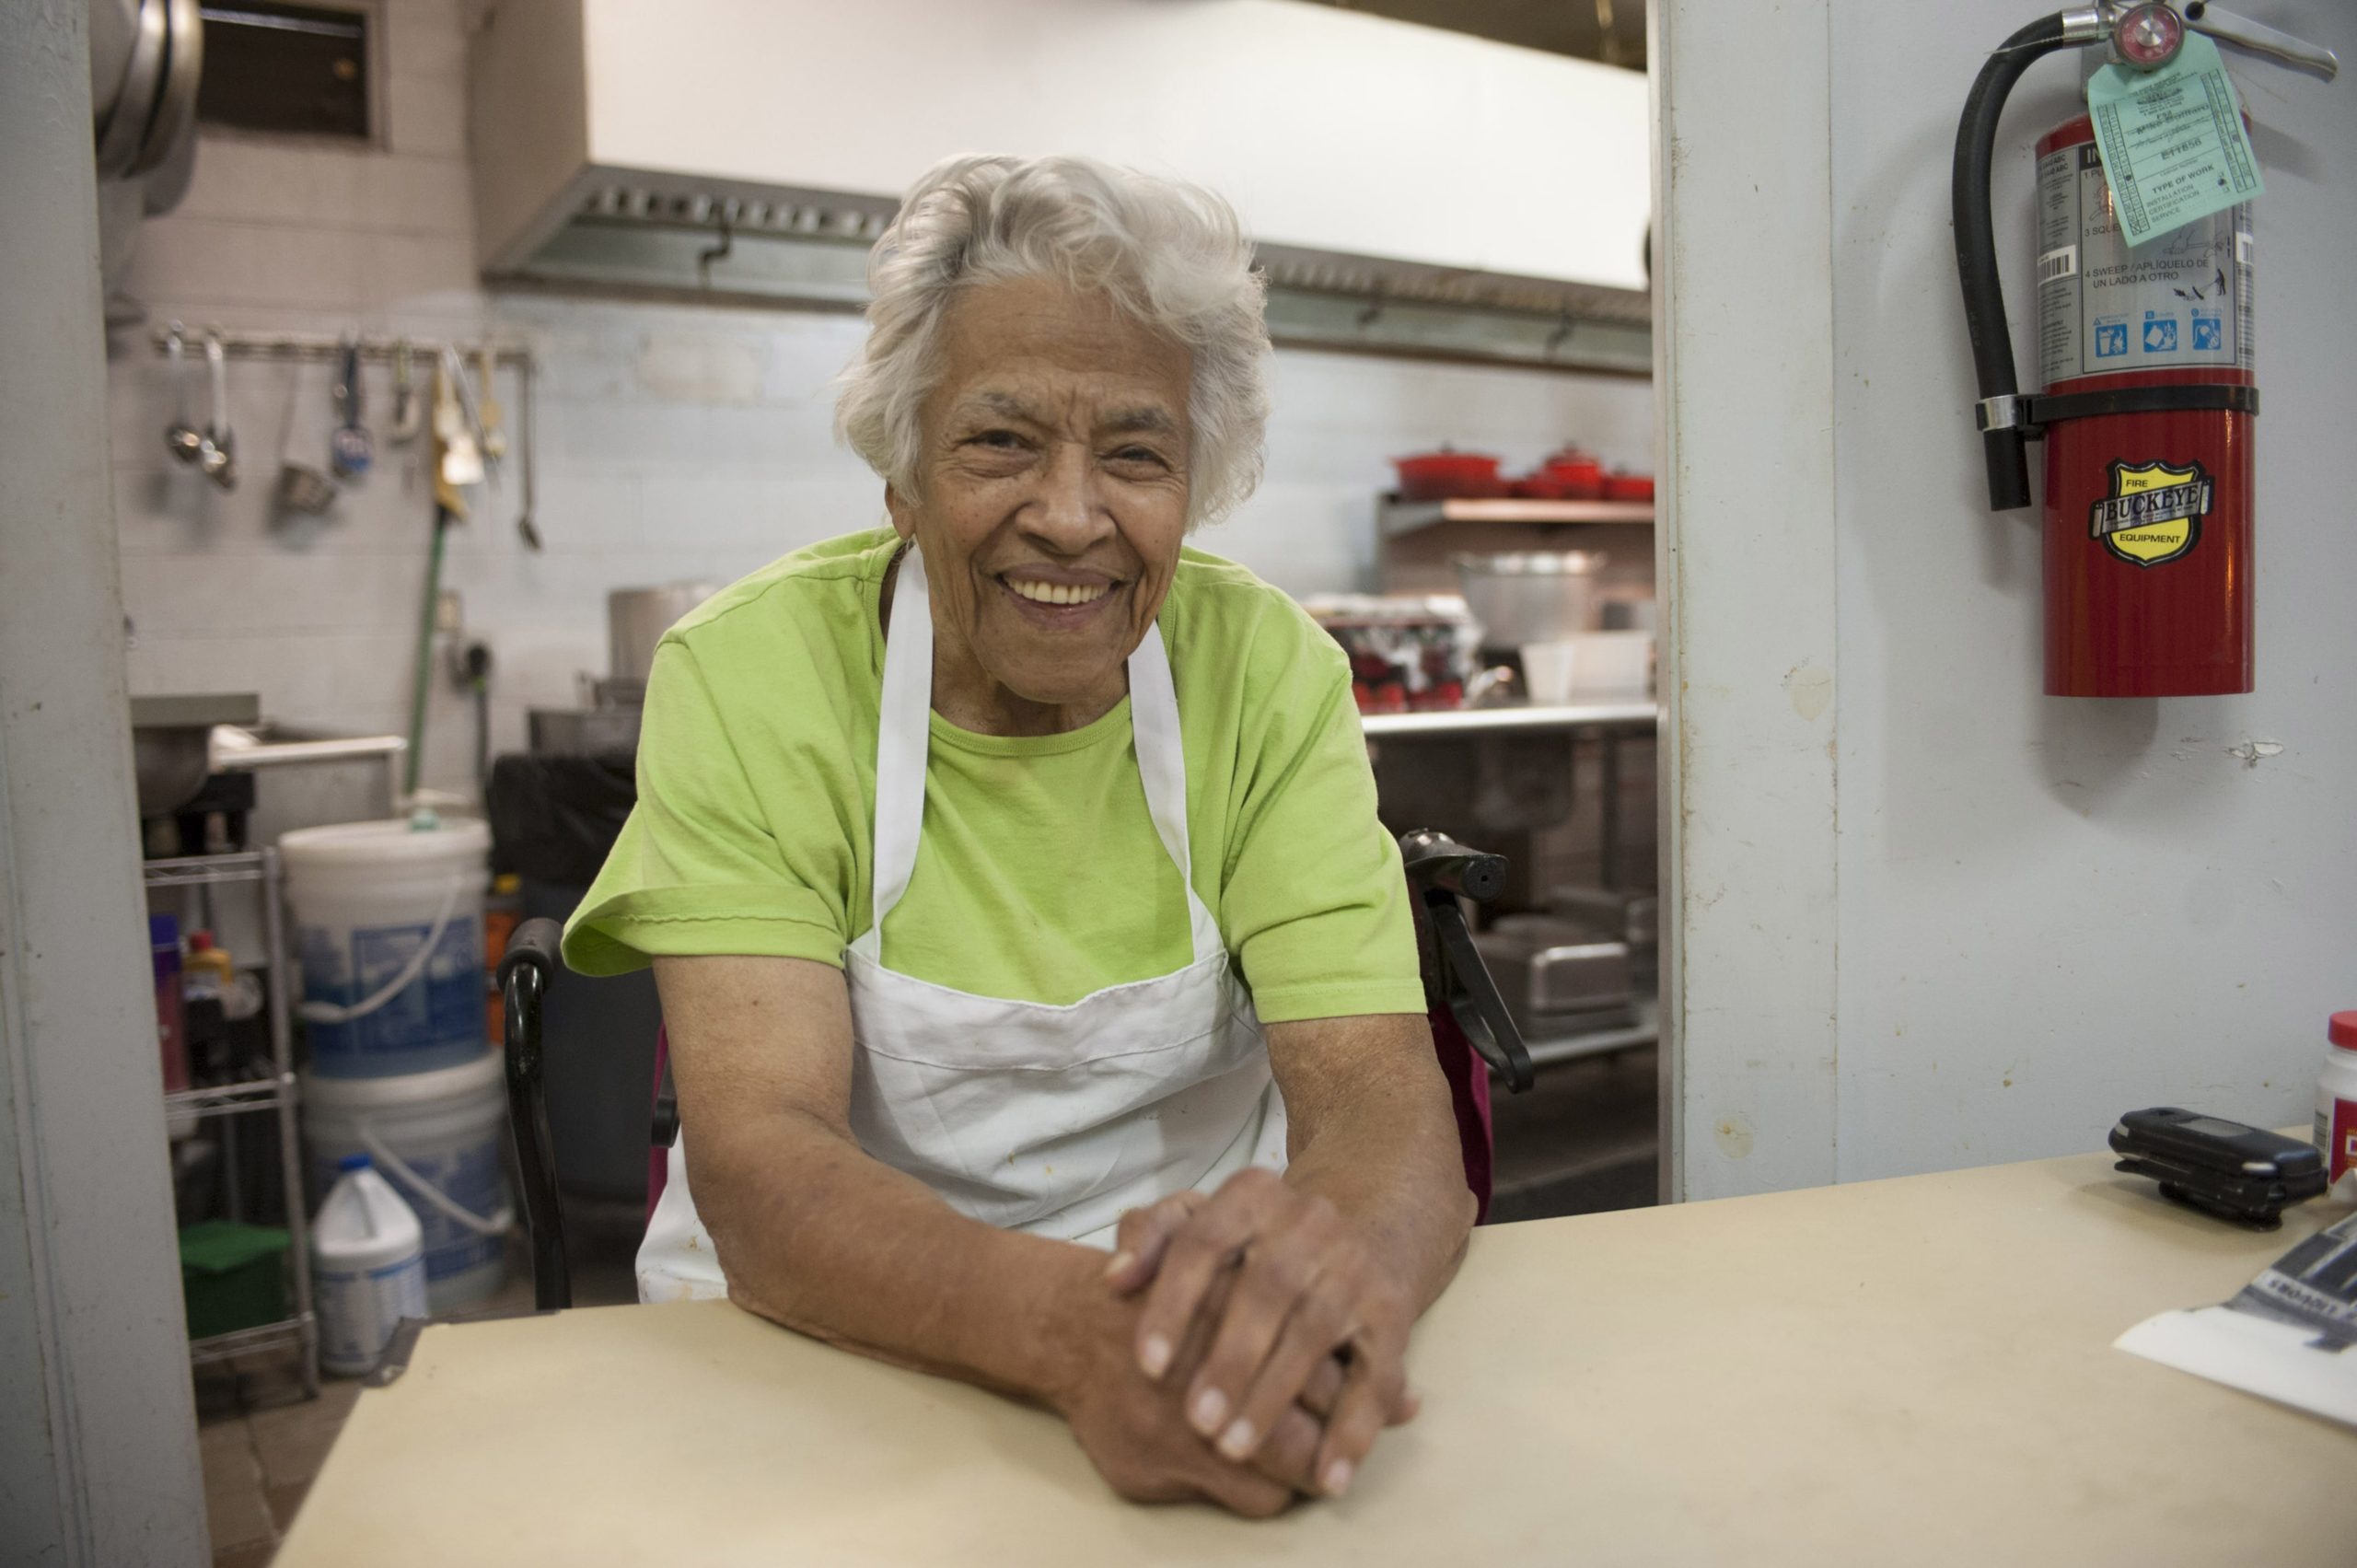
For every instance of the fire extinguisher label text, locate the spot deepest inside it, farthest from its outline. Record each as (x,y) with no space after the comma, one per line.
(2183,301)
(2154,513)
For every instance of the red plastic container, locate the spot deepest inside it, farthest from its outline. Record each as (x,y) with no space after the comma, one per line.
(1629,487)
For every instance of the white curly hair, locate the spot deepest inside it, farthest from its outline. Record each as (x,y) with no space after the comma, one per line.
(1171,255)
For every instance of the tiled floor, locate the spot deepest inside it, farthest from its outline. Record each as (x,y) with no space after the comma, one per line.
(1583,1140)
(263,1442)
(262,1445)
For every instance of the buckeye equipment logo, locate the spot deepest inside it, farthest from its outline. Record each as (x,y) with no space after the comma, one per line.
(2154,513)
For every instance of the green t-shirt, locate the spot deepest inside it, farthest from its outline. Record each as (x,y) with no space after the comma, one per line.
(1038,877)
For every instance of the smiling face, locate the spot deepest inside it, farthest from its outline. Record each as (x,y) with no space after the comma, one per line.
(1051,503)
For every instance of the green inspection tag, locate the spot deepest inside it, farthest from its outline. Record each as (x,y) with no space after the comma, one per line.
(2173,143)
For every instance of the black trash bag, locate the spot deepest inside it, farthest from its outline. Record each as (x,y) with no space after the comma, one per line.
(553,817)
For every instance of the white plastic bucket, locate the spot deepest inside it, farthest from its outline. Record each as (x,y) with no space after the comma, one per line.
(439,1138)
(389,928)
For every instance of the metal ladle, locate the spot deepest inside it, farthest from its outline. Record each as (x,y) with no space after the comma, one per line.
(350,449)
(181,437)
(218,451)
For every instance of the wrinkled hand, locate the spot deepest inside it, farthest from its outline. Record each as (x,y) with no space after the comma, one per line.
(1134,1432)
(1306,1287)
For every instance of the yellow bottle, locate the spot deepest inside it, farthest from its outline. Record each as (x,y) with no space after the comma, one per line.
(208,969)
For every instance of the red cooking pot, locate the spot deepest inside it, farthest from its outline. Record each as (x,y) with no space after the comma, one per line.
(1575,475)
(1436,476)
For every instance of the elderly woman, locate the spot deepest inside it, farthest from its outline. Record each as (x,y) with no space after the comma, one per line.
(1014,887)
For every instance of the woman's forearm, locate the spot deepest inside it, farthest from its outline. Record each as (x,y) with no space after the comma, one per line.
(1375,1136)
(816,1235)
(811,1231)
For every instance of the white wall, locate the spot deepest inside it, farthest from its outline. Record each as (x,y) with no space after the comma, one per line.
(675,442)
(2045,910)
(2056,910)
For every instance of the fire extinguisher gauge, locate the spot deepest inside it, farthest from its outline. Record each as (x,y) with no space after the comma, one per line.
(2148,37)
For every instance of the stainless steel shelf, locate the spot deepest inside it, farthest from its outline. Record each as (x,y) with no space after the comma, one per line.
(276,1094)
(1646,1030)
(295,1330)
(195,870)
(1635,713)
(1406,516)
(254,1094)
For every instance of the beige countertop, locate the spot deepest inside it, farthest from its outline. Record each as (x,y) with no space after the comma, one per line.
(1912,1372)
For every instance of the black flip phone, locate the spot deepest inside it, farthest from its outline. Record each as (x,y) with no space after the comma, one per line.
(2221,1168)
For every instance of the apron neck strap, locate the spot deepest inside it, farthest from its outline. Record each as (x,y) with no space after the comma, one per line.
(902,733)
(903,736)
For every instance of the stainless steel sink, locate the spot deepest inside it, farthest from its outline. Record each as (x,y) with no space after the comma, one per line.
(171,743)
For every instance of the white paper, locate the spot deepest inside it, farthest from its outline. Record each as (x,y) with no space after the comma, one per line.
(2261,1356)
(2289,1335)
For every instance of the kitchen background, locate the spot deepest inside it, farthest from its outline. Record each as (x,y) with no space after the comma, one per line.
(671,441)
(665,441)
(675,442)
(1924,916)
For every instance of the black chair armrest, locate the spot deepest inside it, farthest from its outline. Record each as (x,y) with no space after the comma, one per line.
(1440,872)
(526,970)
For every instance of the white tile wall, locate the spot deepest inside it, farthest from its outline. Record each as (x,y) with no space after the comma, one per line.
(674,442)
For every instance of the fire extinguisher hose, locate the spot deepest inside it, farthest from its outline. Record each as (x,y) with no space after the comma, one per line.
(1976,249)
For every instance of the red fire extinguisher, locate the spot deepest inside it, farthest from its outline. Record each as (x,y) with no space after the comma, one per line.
(2146,395)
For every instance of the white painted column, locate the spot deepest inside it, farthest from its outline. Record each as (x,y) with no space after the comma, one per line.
(97,1424)
(1743,347)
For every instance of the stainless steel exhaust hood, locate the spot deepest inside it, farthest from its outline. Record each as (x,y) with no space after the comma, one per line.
(1417,192)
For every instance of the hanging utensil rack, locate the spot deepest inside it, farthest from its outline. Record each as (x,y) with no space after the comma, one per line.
(375,348)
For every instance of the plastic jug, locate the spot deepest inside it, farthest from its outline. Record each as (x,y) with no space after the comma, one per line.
(368,1267)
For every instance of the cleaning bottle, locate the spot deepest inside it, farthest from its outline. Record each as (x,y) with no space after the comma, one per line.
(208,969)
(367,1268)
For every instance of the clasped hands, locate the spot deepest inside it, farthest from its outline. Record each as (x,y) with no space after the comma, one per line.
(1245,1347)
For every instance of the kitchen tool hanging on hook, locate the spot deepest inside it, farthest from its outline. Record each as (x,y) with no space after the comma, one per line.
(490,419)
(303,491)
(216,451)
(525,526)
(350,449)
(409,399)
(181,438)
(457,441)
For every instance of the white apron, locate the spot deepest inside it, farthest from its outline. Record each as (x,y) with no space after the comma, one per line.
(1050,1119)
